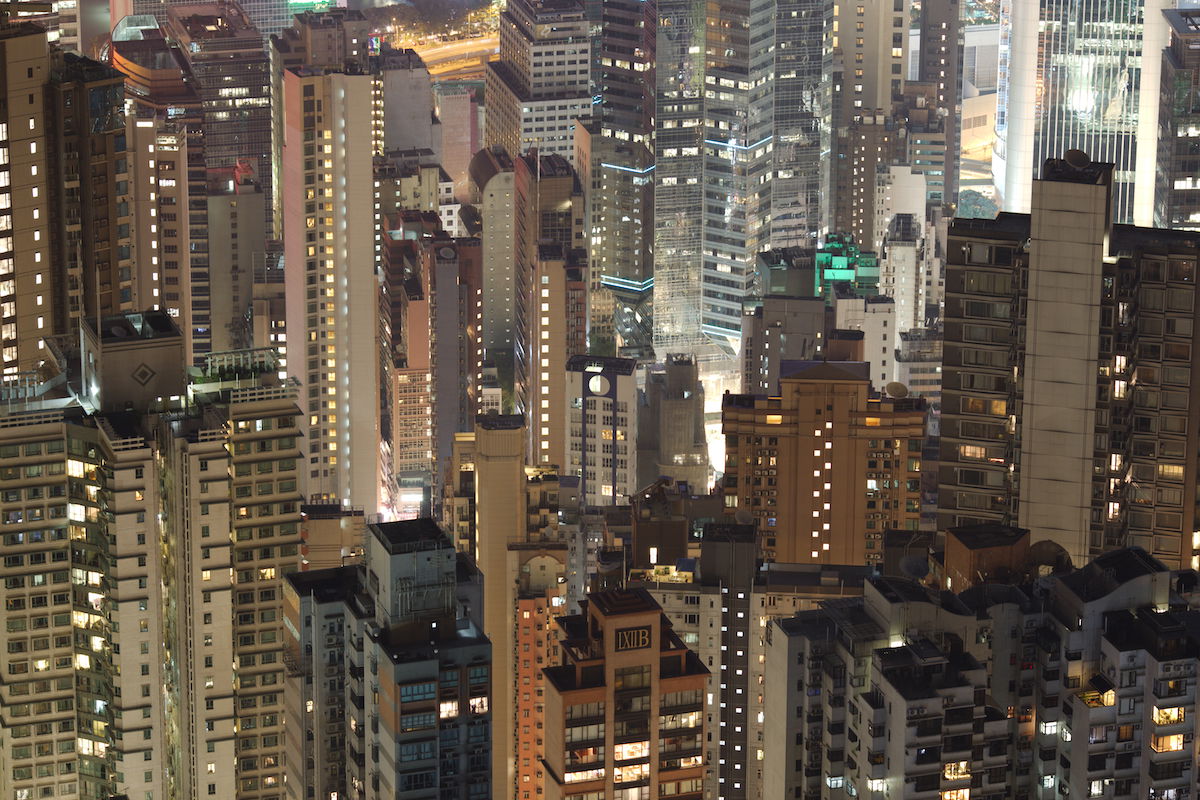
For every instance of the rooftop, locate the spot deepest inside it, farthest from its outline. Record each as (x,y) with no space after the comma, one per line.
(146,325)
(329,511)
(1183,21)
(619,602)
(730,532)
(1110,570)
(1166,635)
(327,585)
(588,363)
(500,422)
(1076,167)
(857,371)
(213,21)
(987,535)
(406,535)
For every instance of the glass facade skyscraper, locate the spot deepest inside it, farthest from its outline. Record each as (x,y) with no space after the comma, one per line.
(1080,75)
(716,134)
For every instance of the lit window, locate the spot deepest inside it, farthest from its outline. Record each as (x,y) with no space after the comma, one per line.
(1167,744)
(1168,716)
(957,770)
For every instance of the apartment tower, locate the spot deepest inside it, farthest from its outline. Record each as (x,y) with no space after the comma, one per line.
(1067,412)
(826,467)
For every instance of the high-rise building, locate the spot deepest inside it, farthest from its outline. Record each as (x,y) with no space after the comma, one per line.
(524,203)
(410,116)
(519,543)
(602,419)
(624,712)
(800,122)
(168,176)
(540,87)
(931,694)
(1065,412)
(862,114)
(919,368)
(876,318)
(88,156)
(1056,94)
(235,525)
(721,610)
(825,467)
(432,287)
(59,695)
(896,686)
(502,187)
(559,331)
(713,152)
(1177,194)
(939,64)
(231,70)
(781,328)
(68,255)
(237,205)
(334,305)
(171,483)
(910,272)
(615,159)
(670,438)
(388,684)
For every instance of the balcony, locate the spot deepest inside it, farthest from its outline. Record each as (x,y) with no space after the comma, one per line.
(1169,770)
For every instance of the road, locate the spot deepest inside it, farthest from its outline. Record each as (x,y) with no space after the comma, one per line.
(464,50)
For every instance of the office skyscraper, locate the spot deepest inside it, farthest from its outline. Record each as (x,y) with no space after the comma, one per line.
(940,58)
(713,151)
(1058,93)
(1066,411)
(224,51)
(615,158)
(1177,191)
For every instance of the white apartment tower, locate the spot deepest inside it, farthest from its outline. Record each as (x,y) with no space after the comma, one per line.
(329,125)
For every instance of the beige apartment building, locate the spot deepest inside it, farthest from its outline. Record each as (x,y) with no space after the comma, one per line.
(826,467)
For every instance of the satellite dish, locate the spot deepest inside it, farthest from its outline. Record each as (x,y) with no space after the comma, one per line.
(447,253)
(915,566)
(896,389)
(742,517)
(1077,159)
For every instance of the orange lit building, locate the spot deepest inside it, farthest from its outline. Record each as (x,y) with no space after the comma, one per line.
(826,467)
(537,648)
(625,710)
